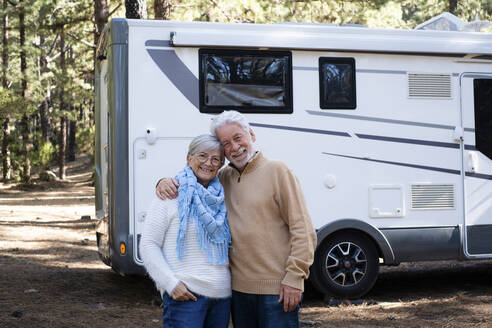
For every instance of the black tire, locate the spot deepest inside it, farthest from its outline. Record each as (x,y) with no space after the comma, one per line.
(346,265)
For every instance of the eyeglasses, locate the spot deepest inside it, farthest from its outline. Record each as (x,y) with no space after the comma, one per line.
(203,158)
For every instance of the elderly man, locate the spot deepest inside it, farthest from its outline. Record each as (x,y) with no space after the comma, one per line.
(273,239)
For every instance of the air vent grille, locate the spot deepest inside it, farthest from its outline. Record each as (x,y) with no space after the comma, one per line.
(429,86)
(432,196)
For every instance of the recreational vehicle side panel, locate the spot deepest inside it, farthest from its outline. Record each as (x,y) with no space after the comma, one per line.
(120,239)
(98,185)
(391,159)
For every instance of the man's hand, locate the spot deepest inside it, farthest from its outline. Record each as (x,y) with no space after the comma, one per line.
(290,296)
(167,188)
(181,293)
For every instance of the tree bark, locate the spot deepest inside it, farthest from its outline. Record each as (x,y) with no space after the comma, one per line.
(101,14)
(163,9)
(43,108)
(72,124)
(72,129)
(6,172)
(62,164)
(63,148)
(453,4)
(26,168)
(136,9)
(44,120)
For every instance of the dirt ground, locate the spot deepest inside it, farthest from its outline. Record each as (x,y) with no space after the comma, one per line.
(51,276)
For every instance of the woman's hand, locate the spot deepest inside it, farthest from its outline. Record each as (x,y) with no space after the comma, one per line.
(181,293)
(167,188)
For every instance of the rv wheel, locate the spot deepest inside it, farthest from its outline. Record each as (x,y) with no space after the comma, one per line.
(346,265)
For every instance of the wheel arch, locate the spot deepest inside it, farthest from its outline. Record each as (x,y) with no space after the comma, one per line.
(382,244)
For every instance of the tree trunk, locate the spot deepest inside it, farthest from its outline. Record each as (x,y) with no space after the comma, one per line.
(72,129)
(6,151)
(453,4)
(163,9)
(63,118)
(6,172)
(26,168)
(44,120)
(72,124)
(63,148)
(43,108)
(5,43)
(101,14)
(136,9)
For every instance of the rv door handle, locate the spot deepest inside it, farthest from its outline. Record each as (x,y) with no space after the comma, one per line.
(472,162)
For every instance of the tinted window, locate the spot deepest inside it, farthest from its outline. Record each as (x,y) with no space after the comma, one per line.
(337,83)
(248,81)
(483,115)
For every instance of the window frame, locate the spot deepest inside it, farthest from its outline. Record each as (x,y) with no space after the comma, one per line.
(287,109)
(336,60)
(479,129)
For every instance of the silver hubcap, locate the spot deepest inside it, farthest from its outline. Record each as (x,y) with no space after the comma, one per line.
(346,264)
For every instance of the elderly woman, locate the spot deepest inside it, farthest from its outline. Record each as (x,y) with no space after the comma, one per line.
(185,243)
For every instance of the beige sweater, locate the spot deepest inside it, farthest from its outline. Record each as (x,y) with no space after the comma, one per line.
(273,239)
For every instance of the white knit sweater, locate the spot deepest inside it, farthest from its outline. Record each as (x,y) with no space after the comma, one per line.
(158,250)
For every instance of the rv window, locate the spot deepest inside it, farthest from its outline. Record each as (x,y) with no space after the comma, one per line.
(248,81)
(337,83)
(483,116)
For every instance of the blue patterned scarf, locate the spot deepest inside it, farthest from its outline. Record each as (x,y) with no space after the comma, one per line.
(205,207)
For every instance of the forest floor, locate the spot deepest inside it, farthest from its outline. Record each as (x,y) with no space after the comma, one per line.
(51,275)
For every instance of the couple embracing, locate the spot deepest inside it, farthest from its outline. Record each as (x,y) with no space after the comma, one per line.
(236,241)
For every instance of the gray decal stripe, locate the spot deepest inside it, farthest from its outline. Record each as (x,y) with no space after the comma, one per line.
(304,68)
(362,70)
(423,167)
(177,72)
(383,120)
(410,141)
(375,71)
(470,147)
(380,71)
(469,130)
(479,175)
(291,128)
(158,43)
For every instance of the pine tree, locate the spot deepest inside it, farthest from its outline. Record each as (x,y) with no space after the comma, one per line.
(6,172)
(136,9)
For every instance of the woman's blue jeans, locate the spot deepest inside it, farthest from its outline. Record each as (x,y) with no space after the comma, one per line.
(205,312)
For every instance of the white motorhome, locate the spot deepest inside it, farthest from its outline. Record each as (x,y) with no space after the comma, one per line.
(388,131)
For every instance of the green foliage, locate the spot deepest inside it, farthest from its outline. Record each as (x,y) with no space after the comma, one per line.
(85,137)
(12,105)
(43,156)
(60,82)
(16,158)
(373,13)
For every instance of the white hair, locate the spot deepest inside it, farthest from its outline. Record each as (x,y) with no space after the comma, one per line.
(227,117)
(205,142)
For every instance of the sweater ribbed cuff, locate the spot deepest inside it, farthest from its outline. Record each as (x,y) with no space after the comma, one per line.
(170,285)
(294,281)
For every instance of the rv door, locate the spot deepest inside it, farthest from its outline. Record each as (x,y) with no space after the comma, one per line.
(476,111)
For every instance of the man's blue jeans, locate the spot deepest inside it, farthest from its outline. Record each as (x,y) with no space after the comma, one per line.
(261,311)
(205,312)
